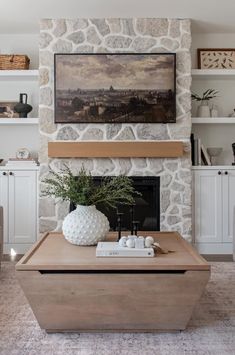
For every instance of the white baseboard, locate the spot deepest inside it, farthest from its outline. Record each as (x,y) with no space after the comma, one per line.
(214,248)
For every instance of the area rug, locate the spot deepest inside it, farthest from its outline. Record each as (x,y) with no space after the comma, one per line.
(211,330)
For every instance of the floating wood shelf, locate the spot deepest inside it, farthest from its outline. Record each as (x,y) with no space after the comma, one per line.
(133,149)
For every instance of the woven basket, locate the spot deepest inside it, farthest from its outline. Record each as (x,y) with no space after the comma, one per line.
(14,62)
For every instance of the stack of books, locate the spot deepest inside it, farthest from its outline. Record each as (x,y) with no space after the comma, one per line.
(199,154)
(21,163)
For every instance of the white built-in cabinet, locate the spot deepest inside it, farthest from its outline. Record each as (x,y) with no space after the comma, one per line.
(18,196)
(214,201)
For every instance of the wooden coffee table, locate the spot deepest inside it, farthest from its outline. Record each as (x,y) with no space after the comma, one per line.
(69,289)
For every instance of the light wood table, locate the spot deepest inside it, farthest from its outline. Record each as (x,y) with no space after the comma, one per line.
(69,289)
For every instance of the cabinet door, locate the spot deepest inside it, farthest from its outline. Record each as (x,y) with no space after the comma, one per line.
(208,206)
(4,202)
(228,204)
(22,206)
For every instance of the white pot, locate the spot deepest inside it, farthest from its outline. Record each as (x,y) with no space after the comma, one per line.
(204,109)
(85,226)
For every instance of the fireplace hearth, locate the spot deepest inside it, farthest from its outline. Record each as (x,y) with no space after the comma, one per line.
(146,209)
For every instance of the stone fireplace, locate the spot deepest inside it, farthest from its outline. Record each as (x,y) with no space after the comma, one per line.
(120,35)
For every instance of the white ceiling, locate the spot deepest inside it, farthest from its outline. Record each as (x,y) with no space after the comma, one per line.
(211,16)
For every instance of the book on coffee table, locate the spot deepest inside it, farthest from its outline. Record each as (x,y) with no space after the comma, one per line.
(114,250)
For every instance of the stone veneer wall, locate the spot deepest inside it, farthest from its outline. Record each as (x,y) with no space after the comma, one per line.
(120,35)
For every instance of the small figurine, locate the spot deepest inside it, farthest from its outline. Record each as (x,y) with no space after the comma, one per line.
(139,243)
(122,241)
(130,243)
(149,242)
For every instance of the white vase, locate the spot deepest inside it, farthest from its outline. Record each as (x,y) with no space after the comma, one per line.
(204,109)
(85,226)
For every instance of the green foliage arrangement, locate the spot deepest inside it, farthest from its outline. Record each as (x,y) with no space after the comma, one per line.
(81,189)
(207,95)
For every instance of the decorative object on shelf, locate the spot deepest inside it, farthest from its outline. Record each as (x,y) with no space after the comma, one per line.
(232,114)
(233,148)
(132,213)
(7,109)
(214,153)
(115,250)
(135,226)
(22,153)
(214,111)
(22,162)
(22,107)
(148,242)
(204,109)
(86,225)
(115,88)
(216,58)
(159,249)
(119,224)
(204,156)
(14,62)
(132,241)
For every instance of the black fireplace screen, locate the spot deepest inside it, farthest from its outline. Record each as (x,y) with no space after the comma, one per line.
(146,209)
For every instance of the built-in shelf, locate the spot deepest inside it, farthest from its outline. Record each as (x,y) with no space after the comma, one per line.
(19,75)
(213,120)
(213,73)
(18,121)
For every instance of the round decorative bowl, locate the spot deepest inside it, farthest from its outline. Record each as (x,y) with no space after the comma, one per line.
(214,153)
(85,226)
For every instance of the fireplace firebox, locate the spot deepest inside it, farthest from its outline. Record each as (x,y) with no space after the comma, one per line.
(146,209)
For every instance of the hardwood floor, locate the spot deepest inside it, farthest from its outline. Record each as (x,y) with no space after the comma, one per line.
(8,257)
(218,257)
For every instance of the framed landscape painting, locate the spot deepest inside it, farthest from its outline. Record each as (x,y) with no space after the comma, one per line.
(115,88)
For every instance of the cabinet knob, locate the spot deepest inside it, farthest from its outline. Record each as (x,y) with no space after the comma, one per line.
(11,173)
(219,172)
(226,173)
(4,173)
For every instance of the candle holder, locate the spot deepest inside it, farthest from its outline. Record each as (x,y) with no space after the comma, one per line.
(132,212)
(119,224)
(135,227)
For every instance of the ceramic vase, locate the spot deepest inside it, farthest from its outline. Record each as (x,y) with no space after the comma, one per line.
(203,109)
(85,226)
(23,108)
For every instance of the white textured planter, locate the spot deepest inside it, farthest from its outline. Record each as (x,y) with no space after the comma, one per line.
(204,109)
(85,226)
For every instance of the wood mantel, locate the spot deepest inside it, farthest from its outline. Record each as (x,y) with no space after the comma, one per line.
(110,149)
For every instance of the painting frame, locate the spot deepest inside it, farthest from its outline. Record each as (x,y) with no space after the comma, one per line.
(57,119)
(219,55)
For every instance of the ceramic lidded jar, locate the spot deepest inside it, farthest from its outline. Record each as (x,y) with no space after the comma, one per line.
(85,226)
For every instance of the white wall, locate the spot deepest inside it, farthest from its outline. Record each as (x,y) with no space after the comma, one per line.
(210,40)
(21,44)
(215,135)
(14,137)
